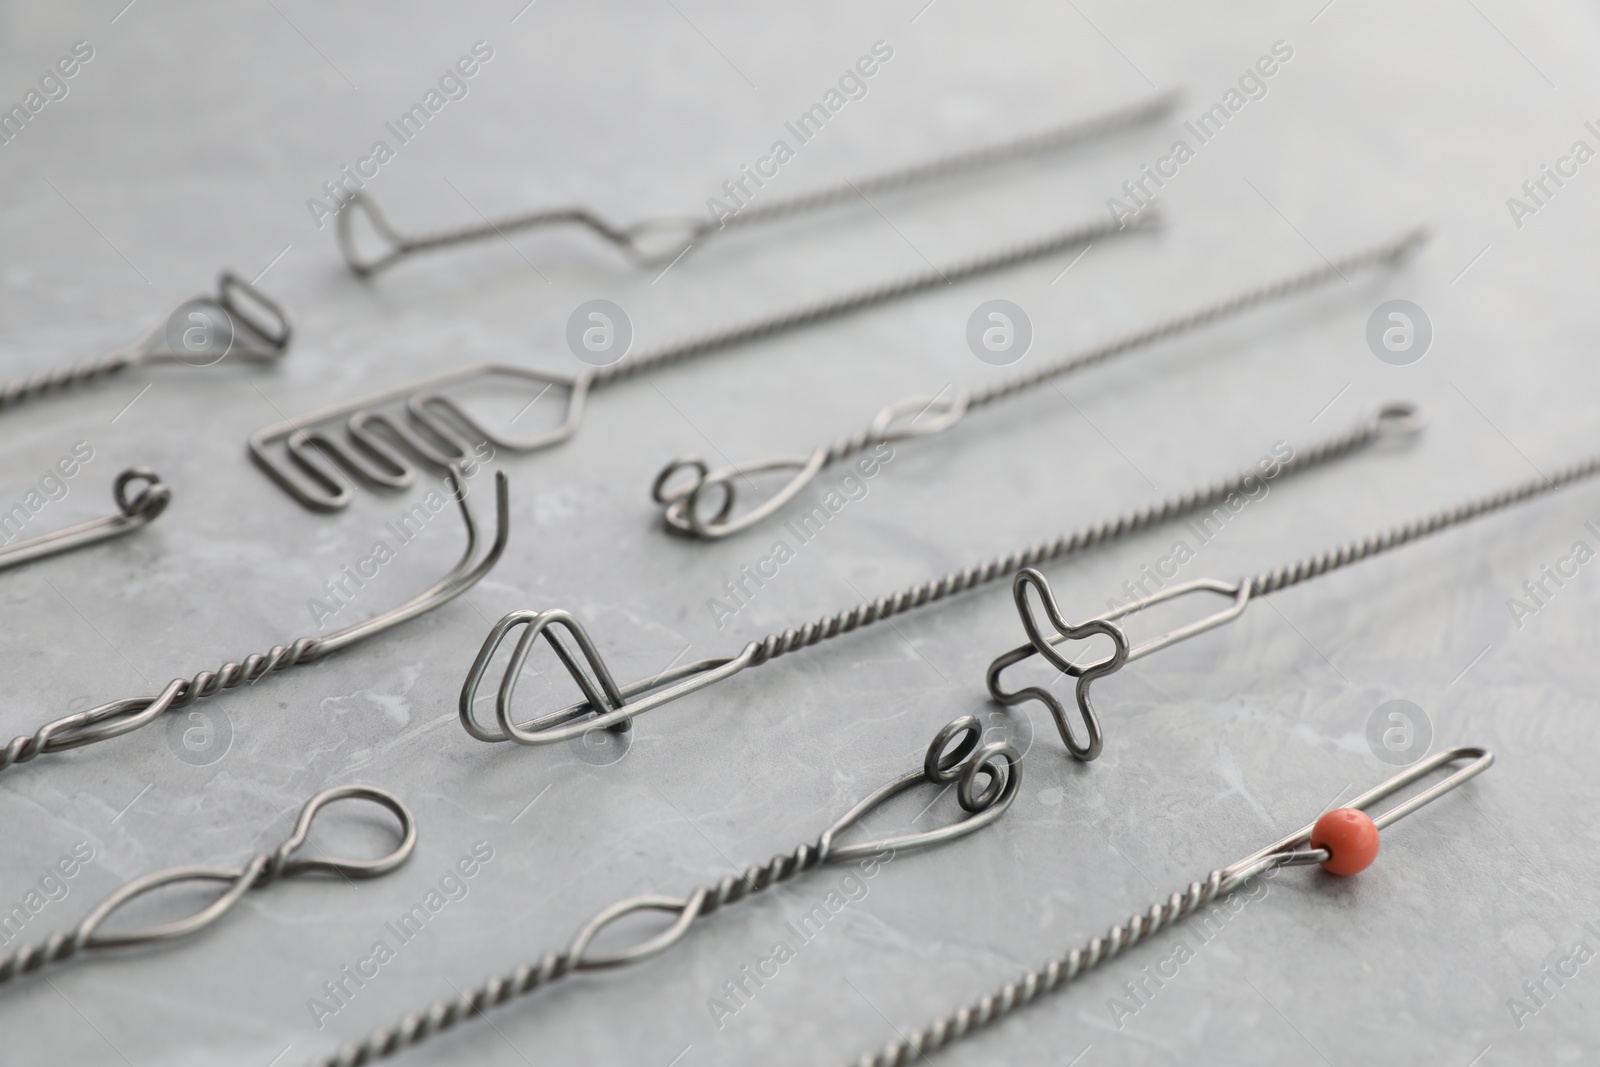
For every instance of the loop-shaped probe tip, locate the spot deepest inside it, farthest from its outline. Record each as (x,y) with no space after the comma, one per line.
(258,871)
(150,499)
(704,506)
(285,862)
(395,246)
(998,764)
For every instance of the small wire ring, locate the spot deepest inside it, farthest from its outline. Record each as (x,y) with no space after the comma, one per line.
(997,762)
(658,489)
(1399,418)
(150,500)
(942,766)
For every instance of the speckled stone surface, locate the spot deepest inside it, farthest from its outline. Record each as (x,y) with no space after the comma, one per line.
(192,141)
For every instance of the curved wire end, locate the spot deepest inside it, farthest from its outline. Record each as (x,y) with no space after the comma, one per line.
(997,764)
(1043,644)
(463,576)
(605,705)
(140,509)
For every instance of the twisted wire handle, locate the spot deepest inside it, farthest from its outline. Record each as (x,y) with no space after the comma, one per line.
(255,666)
(1390,252)
(446,1013)
(1053,975)
(53,949)
(900,421)
(759,877)
(120,716)
(848,303)
(15,392)
(1017,148)
(963,764)
(260,871)
(887,426)
(1124,525)
(1353,551)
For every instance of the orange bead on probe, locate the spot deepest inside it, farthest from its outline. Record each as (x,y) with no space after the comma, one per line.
(1350,837)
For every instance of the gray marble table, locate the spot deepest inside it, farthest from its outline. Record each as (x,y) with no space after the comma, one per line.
(195,137)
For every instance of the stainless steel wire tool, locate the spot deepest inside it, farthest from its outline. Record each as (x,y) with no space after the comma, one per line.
(986,779)
(427,425)
(1044,637)
(655,242)
(258,872)
(606,705)
(702,502)
(1344,841)
(123,716)
(239,322)
(150,498)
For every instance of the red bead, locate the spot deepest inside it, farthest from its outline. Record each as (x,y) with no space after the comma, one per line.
(1350,838)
